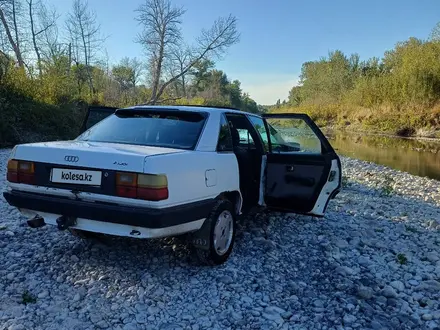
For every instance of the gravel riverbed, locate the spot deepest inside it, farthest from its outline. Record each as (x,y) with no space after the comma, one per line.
(372,263)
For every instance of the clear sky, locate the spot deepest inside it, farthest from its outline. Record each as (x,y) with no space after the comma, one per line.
(277,36)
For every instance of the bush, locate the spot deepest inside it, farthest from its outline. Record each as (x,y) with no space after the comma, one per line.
(23,119)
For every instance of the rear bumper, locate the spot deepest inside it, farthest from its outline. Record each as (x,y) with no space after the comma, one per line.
(111,213)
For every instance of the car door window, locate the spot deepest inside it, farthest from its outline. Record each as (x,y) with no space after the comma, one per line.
(225,138)
(259,126)
(292,135)
(245,137)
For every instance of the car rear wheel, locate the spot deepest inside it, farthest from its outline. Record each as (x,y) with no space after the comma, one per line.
(222,223)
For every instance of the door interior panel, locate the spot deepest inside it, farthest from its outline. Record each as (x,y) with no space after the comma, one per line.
(249,153)
(294,181)
(296,177)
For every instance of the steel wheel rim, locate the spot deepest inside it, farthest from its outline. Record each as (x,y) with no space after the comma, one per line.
(223,232)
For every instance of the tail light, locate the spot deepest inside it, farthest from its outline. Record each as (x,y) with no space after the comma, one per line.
(20,171)
(151,187)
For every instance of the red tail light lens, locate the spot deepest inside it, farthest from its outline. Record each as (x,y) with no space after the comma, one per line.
(126,185)
(151,187)
(20,171)
(151,194)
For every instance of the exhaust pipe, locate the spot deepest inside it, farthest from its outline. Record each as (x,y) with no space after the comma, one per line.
(36,222)
(65,222)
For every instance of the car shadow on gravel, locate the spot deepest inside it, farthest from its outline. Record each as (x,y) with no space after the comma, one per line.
(171,252)
(267,246)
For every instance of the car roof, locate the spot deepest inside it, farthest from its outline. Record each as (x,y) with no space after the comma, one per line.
(195,108)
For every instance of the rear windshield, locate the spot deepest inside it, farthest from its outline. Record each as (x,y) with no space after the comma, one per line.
(172,129)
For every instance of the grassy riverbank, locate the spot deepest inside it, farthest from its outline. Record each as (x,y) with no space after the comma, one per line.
(403,121)
(397,94)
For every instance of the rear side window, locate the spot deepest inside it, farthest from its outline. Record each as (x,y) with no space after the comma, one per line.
(96,116)
(224,138)
(171,129)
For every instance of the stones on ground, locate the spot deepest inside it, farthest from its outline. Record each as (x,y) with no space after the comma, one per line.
(350,307)
(398,285)
(341,243)
(273,313)
(74,258)
(433,256)
(247,300)
(130,326)
(226,279)
(152,310)
(344,270)
(376,325)
(170,326)
(95,317)
(389,292)
(14,254)
(237,316)
(429,285)
(141,318)
(318,303)
(17,327)
(364,261)
(286,315)
(285,272)
(43,294)
(349,319)
(413,282)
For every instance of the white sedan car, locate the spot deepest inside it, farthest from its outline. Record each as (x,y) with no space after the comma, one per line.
(157,171)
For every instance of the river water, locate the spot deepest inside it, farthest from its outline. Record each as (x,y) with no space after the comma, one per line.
(418,157)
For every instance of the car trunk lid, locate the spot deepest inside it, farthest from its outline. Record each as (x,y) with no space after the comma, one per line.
(98,155)
(85,166)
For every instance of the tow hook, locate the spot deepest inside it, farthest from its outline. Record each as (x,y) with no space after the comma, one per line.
(65,222)
(36,222)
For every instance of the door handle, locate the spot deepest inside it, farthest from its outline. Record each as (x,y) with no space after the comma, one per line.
(290,168)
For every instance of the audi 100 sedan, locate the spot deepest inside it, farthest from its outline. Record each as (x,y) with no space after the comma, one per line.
(158,171)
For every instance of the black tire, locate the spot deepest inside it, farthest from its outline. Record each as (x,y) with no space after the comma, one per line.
(211,257)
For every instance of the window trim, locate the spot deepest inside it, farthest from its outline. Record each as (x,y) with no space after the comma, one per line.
(223,116)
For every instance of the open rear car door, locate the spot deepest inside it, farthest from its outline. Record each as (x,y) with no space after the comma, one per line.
(94,115)
(303,172)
